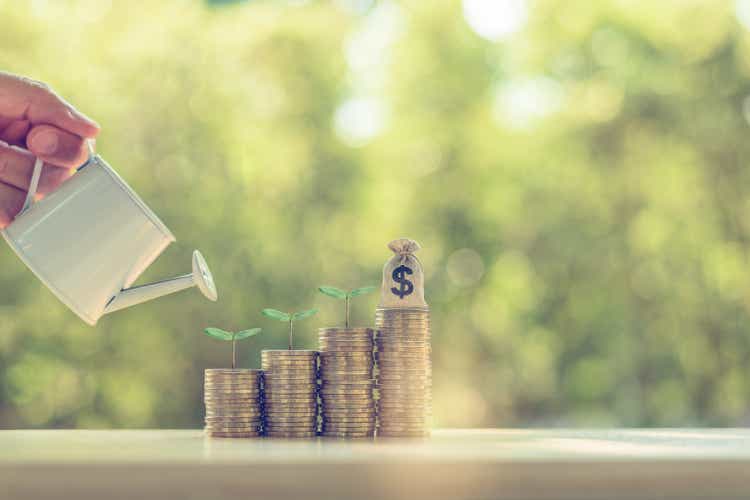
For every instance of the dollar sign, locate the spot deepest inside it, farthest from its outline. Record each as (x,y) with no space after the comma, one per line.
(399,276)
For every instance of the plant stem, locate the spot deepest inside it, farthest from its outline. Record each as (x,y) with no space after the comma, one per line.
(347,311)
(291,332)
(234,351)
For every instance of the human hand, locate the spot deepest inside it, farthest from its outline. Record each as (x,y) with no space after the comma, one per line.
(34,117)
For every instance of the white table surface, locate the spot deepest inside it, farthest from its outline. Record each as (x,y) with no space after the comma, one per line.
(453,463)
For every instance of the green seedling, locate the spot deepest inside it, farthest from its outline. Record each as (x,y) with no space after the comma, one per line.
(347,296)
(220,334)
(290,317)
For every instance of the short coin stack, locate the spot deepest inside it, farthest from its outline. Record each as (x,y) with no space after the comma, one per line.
(404,378)
(346,375)
(290,383)
(233,402)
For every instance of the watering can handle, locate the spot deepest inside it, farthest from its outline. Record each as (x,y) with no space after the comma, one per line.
(37,174)
(38,164)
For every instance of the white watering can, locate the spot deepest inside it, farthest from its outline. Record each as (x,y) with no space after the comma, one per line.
(91,238)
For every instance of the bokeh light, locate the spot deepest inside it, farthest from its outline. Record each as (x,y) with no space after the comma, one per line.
(495,19)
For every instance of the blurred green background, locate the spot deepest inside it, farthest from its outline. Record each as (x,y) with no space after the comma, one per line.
(576,172)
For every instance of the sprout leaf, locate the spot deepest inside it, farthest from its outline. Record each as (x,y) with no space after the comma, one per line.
(247,333)
(277,315)
(218,333)
(332,291)
(361,291)
(303,314)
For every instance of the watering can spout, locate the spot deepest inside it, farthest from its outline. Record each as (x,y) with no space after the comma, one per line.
(200,277)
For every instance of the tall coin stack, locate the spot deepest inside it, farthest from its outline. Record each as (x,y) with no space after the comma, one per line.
(290,384)
(404,379)
(346,375)
(233,402)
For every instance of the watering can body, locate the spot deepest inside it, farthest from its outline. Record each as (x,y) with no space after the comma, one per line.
(89,240)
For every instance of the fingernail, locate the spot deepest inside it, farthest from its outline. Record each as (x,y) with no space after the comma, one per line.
(45,142)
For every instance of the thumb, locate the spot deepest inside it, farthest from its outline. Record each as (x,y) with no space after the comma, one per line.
(57,147)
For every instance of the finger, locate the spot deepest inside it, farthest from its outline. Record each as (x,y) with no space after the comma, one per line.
(15,132)
(11,202)
(17,165)
(23,98)
(56,146)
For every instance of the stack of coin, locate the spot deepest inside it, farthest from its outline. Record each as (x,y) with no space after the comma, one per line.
(290,384)
(404,372)
(346,382)
(233,402)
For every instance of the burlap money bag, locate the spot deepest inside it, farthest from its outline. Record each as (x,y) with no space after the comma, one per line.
(403,278)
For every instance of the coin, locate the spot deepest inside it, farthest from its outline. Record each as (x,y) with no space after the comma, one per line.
(232,380)
(272,417)
(276,371)
(247,428)
(279,402)
(273,355)
(240,390)
(366,363)
(232,406)
(343,356)
(233,434)
(354,376)
(289,379)
(296,422)
(354,365)
(354,411)
(345,425)
(290,428)
(292,414)
(336,403)
(330,419)
(232,403)
(229,372)
(287,410)
(289,364)
(233,414)
(283,434)
(329,399)
(351,349)
(353,430)
(295,371)
(348,384)
(285,384)
(347,435)
(290,405)
(291,390)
